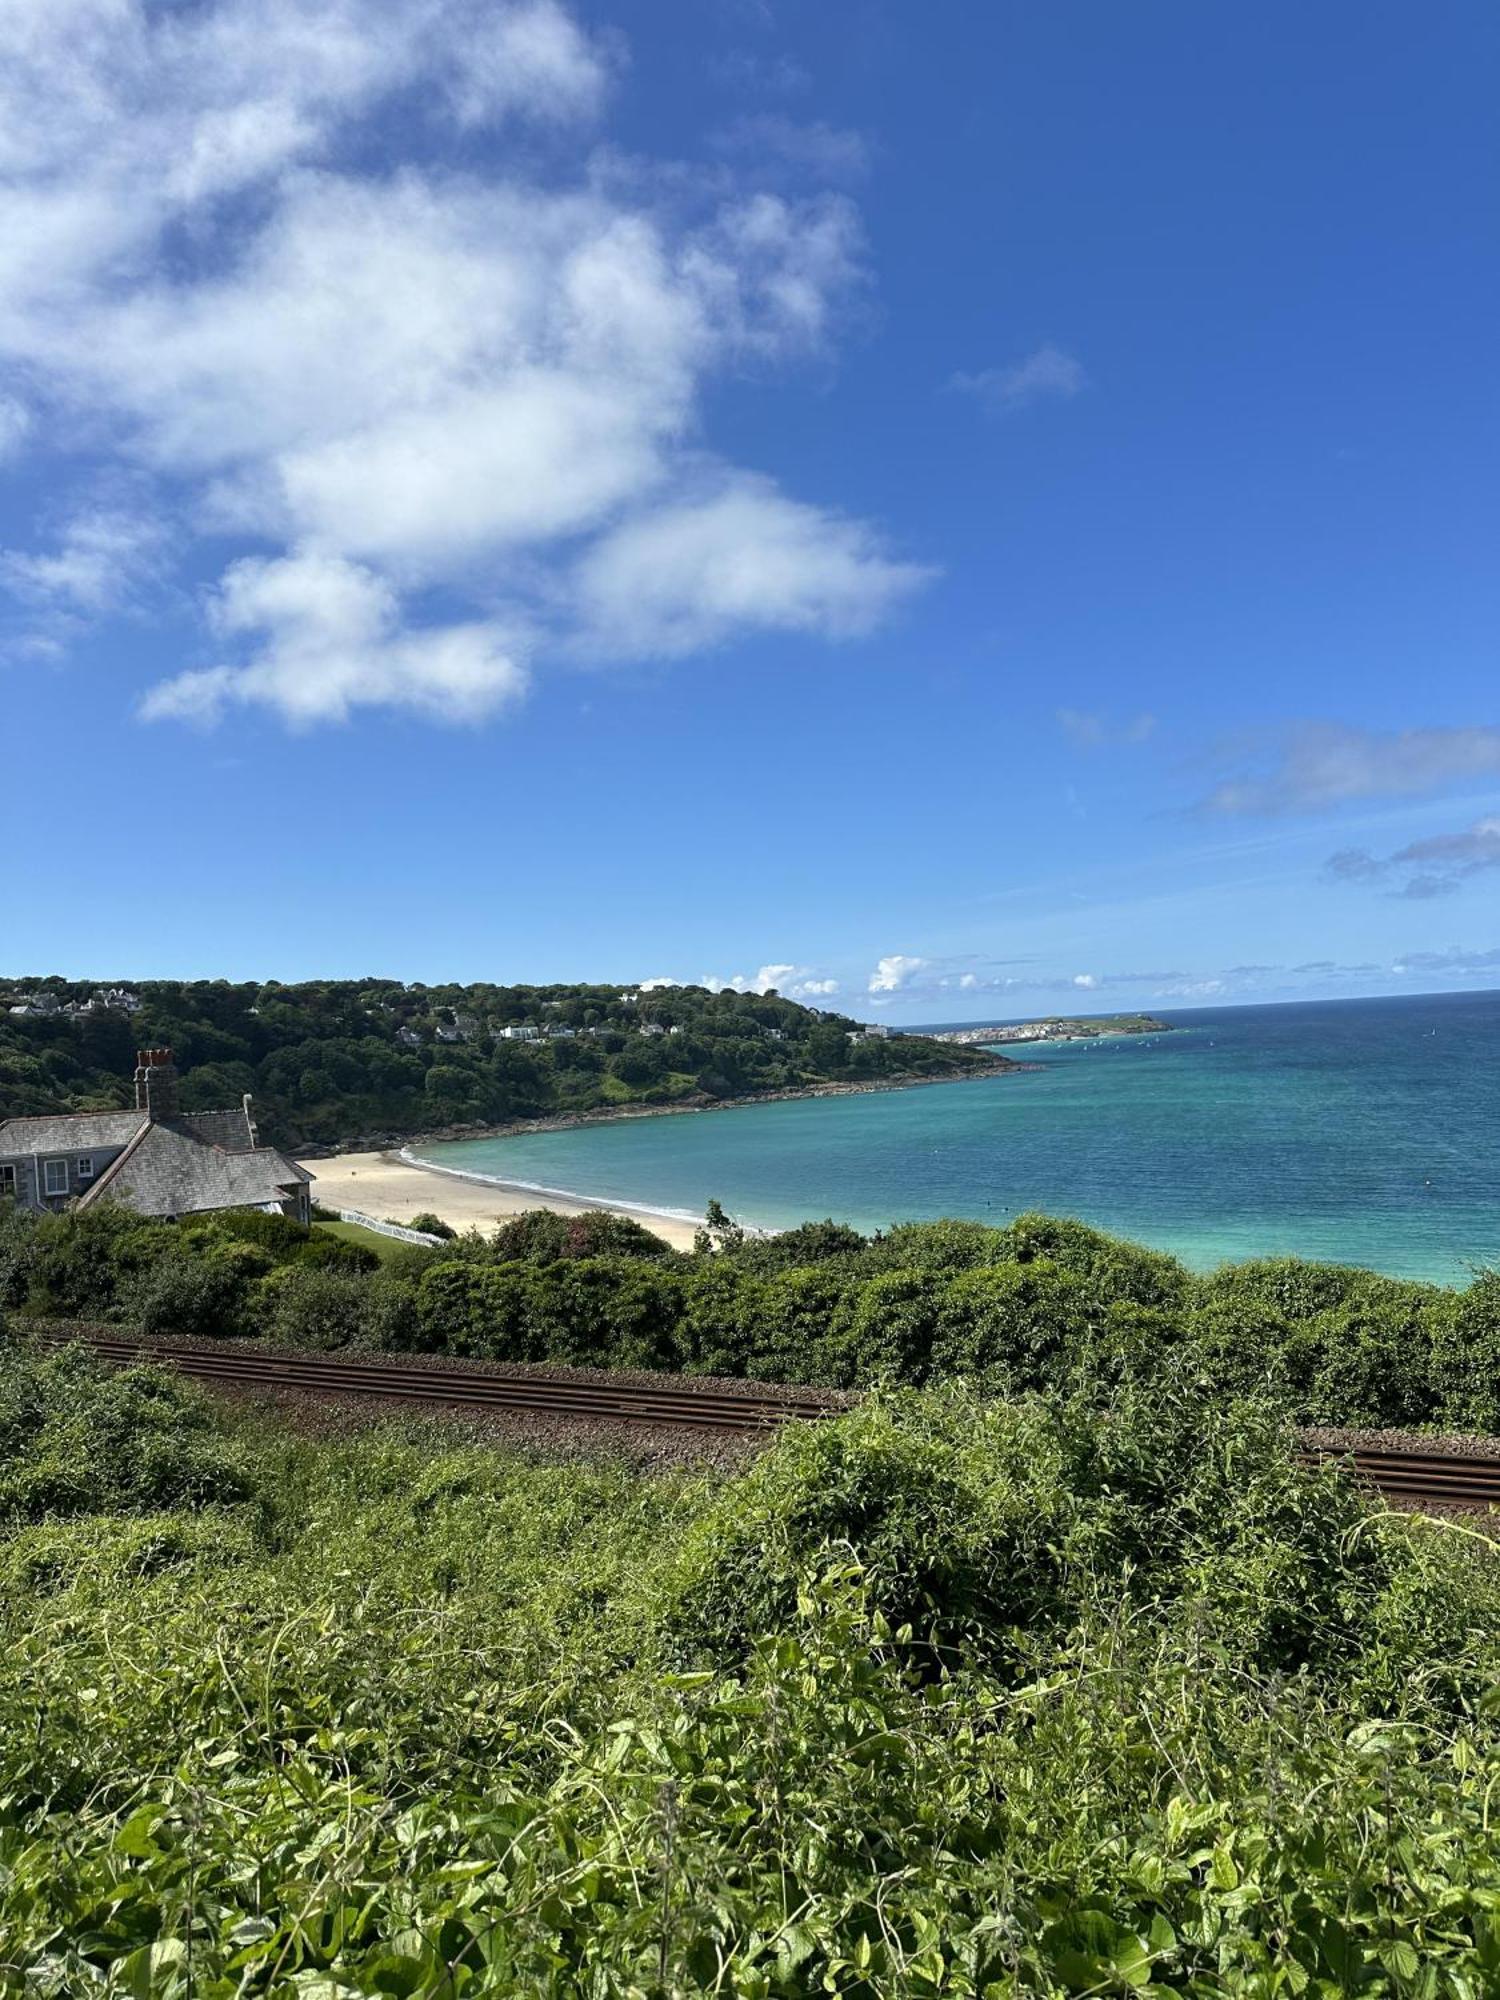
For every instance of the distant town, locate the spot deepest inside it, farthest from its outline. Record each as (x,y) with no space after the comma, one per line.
(1055,1028)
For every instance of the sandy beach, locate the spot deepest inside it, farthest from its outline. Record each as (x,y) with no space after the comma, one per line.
(394,1190)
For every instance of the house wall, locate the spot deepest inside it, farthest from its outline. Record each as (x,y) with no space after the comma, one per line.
(30,1173)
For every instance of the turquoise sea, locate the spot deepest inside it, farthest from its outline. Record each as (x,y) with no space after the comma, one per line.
(1363,1131)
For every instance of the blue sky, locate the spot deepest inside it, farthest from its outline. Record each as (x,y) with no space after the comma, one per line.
(947,511)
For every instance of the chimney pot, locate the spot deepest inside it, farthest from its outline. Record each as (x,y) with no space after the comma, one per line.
(155,1083)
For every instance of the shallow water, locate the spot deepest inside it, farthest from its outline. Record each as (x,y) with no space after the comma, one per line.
(1365,1131)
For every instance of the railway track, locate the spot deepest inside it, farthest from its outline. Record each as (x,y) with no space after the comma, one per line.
(1407,1475)
(706,1408)
(1412,1477)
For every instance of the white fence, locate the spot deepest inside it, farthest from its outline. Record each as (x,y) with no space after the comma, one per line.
(396,1229)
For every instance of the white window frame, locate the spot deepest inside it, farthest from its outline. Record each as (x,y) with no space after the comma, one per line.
(85,1166)
(48,1169)
(10,1181)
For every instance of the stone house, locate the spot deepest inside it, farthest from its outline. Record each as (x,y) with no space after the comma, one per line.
(156,1158)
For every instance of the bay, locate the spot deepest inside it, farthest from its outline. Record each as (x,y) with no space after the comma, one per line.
(1363,1132)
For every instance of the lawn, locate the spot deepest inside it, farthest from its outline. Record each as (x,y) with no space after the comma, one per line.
(385,1247)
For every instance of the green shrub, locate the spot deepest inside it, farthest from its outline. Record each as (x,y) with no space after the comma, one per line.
(72,1271)
(540,1236)
(283,1237)
(1287,1289)
(477,1309)
(337,1253)
(950,1246)
(1043,1303)
(75,1439)
(792,1325)
(184,1297)
(388,1311)
(90,1556)
(1005,1325)
(1374,1358)
(17,1253)
(307,1305)
(724,1311)
(885,1332)
(794,1249)
(432,1225)
(938,1698)
(588,1312)
(1465,1332)
(948,1512)
(1115,1272)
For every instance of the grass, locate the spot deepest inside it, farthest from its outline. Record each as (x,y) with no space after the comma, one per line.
(384,1247)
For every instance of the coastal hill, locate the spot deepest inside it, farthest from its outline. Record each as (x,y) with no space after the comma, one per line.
(333,1062)
(1054,1028)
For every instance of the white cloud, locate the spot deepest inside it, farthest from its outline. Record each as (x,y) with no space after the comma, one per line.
(830,152)
(528,60)
(933,984)
(895,971)
(439,370)
(1191,989)
(792,982)
(101,555)
(1047,372)
(772,272)
(1316,765)
(657,985)
(329,639)
(15,422)
(687,575)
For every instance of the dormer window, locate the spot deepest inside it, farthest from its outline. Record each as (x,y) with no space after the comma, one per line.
(85,1166)
(54,1177)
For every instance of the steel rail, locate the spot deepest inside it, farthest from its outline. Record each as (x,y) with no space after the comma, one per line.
(1401,1473)
(1407,1473)
(557,1395)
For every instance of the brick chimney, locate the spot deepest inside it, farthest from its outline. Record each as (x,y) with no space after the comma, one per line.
(156,1083)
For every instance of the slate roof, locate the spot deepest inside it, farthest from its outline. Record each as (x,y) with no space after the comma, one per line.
(78,1131)
(230,1129)
(70,1131)
(168,1169)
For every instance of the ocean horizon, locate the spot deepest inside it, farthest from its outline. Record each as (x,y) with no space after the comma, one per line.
(1350,1131)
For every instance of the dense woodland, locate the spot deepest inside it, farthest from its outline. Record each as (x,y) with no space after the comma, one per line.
(332,1062)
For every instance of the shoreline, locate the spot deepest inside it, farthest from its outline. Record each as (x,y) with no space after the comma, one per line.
(393,1187)
(388,1179)
(564,1201)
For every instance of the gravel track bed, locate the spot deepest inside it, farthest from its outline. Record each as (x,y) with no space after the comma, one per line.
(649,1449)
(644,1378)
(1451,1443)
(637,1440)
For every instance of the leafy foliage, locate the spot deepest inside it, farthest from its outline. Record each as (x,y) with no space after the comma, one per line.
(334,1060)
(432,1225)
(937,1699)
(1042,1304)
(72,1442)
